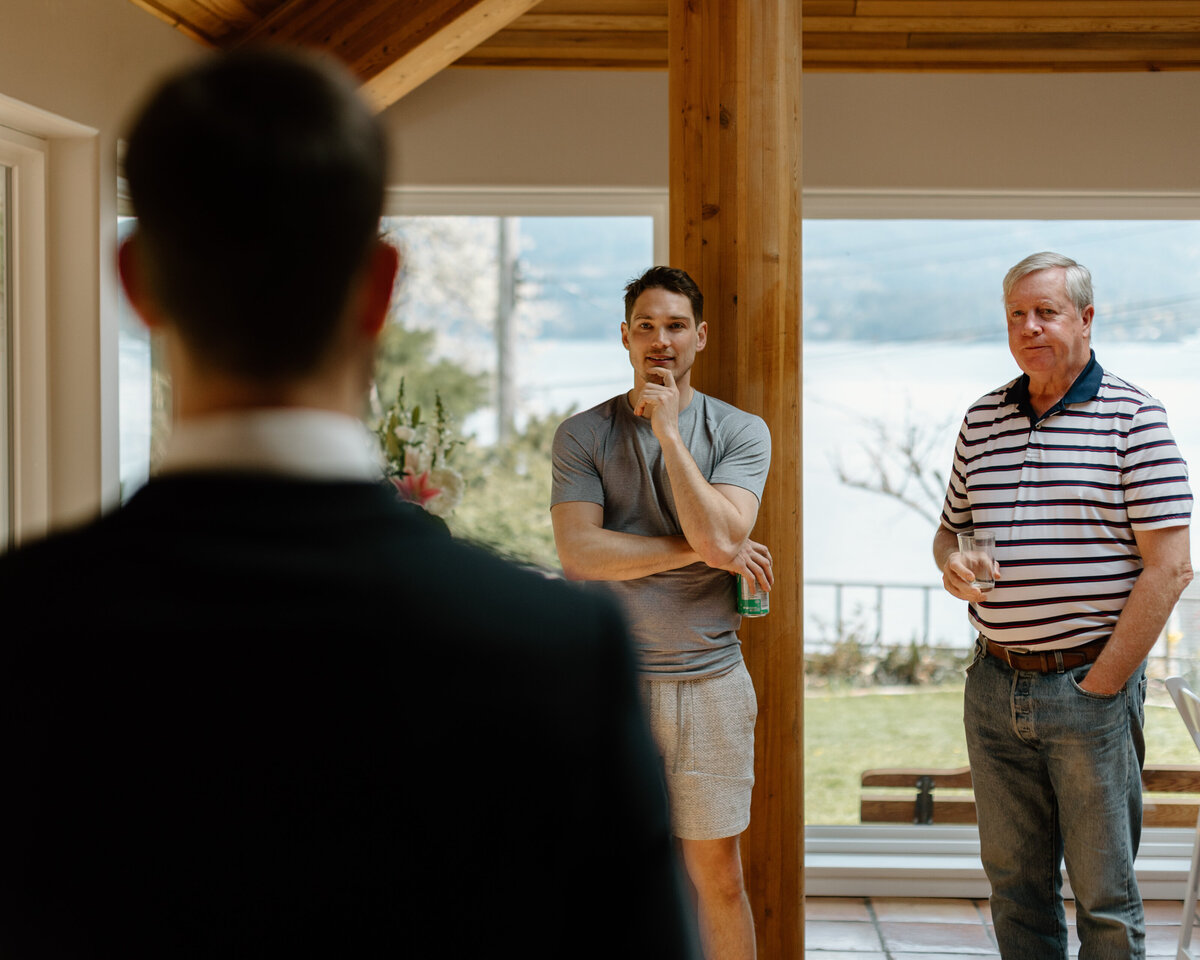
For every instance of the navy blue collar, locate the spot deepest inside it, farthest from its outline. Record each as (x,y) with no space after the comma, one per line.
(1086,387)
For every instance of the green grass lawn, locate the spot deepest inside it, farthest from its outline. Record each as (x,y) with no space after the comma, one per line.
(847,733)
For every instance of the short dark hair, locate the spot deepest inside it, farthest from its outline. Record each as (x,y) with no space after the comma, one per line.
(257,178)
(665,278)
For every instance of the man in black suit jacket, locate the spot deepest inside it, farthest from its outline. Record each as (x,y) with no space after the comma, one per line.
(264,709)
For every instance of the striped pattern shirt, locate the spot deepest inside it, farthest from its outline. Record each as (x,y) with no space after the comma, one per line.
(1063,494)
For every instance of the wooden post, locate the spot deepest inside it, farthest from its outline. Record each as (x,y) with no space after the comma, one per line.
(735,227)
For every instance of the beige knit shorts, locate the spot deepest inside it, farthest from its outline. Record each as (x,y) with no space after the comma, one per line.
(704,730)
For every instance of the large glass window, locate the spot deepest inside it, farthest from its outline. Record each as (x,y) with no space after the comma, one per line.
(903,329)
(510,321)
(137,374)
(513,322)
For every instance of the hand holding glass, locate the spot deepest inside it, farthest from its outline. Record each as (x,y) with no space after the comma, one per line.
(978,551)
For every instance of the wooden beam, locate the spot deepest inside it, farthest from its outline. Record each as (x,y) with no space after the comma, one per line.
(1023,8)
(596,21)
(829,8)
(734,94)
(999,66)
(170,14)
(900,58)
(567,61)
(393,46)
(985,36)
(576,49)
(1009,25)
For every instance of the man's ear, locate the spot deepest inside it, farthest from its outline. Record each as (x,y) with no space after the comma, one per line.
(380,279)
(131,268)
(701,335)
(624,334)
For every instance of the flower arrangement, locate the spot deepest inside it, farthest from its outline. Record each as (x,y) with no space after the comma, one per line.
(416,456)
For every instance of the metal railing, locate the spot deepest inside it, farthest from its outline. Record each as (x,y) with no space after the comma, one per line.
(823,630)
(931,617)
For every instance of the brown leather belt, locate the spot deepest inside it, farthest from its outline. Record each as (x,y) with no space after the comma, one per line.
(1045,661)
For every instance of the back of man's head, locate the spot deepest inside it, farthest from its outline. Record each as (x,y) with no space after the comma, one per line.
(257,179)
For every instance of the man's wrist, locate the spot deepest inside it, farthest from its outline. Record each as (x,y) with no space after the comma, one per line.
(669,438)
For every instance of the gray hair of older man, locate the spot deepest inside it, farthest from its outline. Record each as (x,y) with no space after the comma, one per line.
(1079,279)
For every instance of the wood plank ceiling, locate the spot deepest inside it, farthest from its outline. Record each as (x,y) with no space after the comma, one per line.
(847,35)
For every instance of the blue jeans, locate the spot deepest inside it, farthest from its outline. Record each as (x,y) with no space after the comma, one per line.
(1057,772)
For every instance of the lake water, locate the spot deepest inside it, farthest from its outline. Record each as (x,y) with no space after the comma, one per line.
(852,535)
(849,535)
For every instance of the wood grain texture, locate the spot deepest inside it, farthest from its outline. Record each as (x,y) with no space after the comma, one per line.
(879,808)
(898,807)
(1156,811)
(1024,8)
(908,777)
(734,95)
(983,36)
(1072,25)
(392,46)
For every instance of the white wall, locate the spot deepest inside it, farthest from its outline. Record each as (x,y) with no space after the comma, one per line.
(1123,132)
(505,128)
(1104,132)
(70,73)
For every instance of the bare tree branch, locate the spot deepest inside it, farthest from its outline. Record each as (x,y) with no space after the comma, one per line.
(900,463)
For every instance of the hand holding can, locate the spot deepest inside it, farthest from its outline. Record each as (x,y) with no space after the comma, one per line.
(752,601)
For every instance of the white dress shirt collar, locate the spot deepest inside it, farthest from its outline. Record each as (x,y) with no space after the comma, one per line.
(301,443)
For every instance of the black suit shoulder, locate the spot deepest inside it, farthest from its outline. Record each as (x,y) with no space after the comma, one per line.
(255,714)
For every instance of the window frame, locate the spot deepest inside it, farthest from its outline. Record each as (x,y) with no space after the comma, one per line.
(26,485)
(535,202)
(943,860)
(865,859)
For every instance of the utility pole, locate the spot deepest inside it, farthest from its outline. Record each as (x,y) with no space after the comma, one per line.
(506,332)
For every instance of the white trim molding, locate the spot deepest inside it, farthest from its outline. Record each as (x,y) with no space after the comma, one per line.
(29,388)
(418,201)
(822,204)
(64,396)
(943,861)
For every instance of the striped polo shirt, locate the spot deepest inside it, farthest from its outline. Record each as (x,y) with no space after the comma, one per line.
(1063,494)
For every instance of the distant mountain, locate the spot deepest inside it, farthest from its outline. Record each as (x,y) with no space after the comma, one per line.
(906,280)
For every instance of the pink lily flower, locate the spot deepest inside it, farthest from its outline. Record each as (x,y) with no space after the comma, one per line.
(415,488)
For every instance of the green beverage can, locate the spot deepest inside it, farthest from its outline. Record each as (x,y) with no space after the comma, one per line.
(752,602)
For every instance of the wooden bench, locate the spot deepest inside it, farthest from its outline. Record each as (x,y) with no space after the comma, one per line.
(920,802)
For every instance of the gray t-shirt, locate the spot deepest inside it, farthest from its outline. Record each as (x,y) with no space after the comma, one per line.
(684,621)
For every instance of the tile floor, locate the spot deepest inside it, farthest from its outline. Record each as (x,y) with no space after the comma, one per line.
(857,928)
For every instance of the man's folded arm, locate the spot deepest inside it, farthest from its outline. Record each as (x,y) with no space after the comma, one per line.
(589,552)
(717,519)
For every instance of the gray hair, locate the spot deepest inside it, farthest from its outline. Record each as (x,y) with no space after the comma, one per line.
(1079,279)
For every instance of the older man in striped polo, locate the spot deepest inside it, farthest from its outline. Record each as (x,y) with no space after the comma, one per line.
(1076,473)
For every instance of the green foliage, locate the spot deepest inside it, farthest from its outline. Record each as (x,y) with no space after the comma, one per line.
(851,731)
(406,355)
(506,501)
(506,506)
(857,659)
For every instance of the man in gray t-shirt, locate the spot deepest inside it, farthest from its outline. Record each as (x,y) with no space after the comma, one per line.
(655,493)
